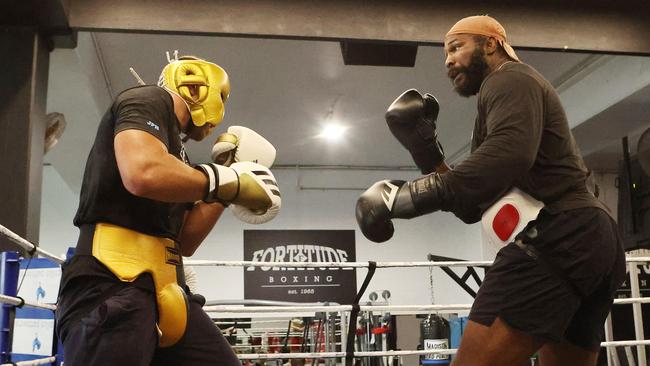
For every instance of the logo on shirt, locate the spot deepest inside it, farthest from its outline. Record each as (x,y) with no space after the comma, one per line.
(151,124)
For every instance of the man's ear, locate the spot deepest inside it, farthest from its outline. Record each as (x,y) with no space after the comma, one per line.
(491,46)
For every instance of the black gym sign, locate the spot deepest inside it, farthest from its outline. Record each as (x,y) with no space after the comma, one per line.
(300,284)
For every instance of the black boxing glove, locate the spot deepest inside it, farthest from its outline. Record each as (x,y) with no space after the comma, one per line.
(389,199)
(412,120)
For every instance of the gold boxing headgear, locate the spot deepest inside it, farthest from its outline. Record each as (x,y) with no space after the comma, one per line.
(211,82)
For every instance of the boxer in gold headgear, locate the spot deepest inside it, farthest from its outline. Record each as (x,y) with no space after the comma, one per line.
(202,85)
(123,300)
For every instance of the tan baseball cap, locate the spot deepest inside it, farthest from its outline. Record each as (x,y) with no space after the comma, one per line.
(483,25)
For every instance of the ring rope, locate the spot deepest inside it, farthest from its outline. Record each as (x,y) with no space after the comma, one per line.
(20,302)
(377,308)
(16,301)
(29,247)
(254,333)
(637,259)
(269,356)
(335,308)
(632,300)
(213,263)
(40,361)
(265,346)
(645,342)
(260,321)
(336,264)
(396,353)
(278,330)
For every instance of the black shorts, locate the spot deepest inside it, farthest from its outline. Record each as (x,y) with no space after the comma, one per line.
(561,283)
(121,329)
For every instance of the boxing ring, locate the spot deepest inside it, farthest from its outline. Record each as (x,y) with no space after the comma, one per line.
(347,313)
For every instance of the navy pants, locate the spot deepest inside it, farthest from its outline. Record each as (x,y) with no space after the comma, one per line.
(121,329)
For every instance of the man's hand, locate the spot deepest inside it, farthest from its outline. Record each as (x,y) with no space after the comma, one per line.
(375,208)
(250,188)
(259,197)
(412,120)
(389,199)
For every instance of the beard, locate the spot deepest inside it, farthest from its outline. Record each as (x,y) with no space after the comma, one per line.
(197,133)
(472,75)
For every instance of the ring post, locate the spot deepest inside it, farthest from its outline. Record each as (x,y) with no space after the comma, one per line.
(9,270)
(637,311)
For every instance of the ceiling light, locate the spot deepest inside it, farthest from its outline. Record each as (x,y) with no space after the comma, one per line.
(333,131)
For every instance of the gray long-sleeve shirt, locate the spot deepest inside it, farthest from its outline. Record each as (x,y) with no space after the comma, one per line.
(521,138)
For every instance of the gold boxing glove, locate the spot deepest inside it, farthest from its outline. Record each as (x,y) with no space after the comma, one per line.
(249,187)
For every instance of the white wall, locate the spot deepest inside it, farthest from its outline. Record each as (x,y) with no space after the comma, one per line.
(439,233)
(58,207)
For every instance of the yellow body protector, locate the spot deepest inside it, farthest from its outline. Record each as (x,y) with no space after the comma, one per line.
(128,254)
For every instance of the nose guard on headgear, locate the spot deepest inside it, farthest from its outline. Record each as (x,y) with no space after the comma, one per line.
(210,83)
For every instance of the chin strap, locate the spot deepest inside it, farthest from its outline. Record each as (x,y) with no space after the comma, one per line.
(176,94)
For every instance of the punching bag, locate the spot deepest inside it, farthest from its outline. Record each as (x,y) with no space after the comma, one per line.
(434,335)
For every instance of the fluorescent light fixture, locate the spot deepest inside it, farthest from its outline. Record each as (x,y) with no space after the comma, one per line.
(333,131)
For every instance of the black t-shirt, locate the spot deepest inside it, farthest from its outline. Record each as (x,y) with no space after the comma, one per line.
(103,195)
(105,199)
(521,139)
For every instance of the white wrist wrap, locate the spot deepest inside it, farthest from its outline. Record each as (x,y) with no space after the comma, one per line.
(219,176)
